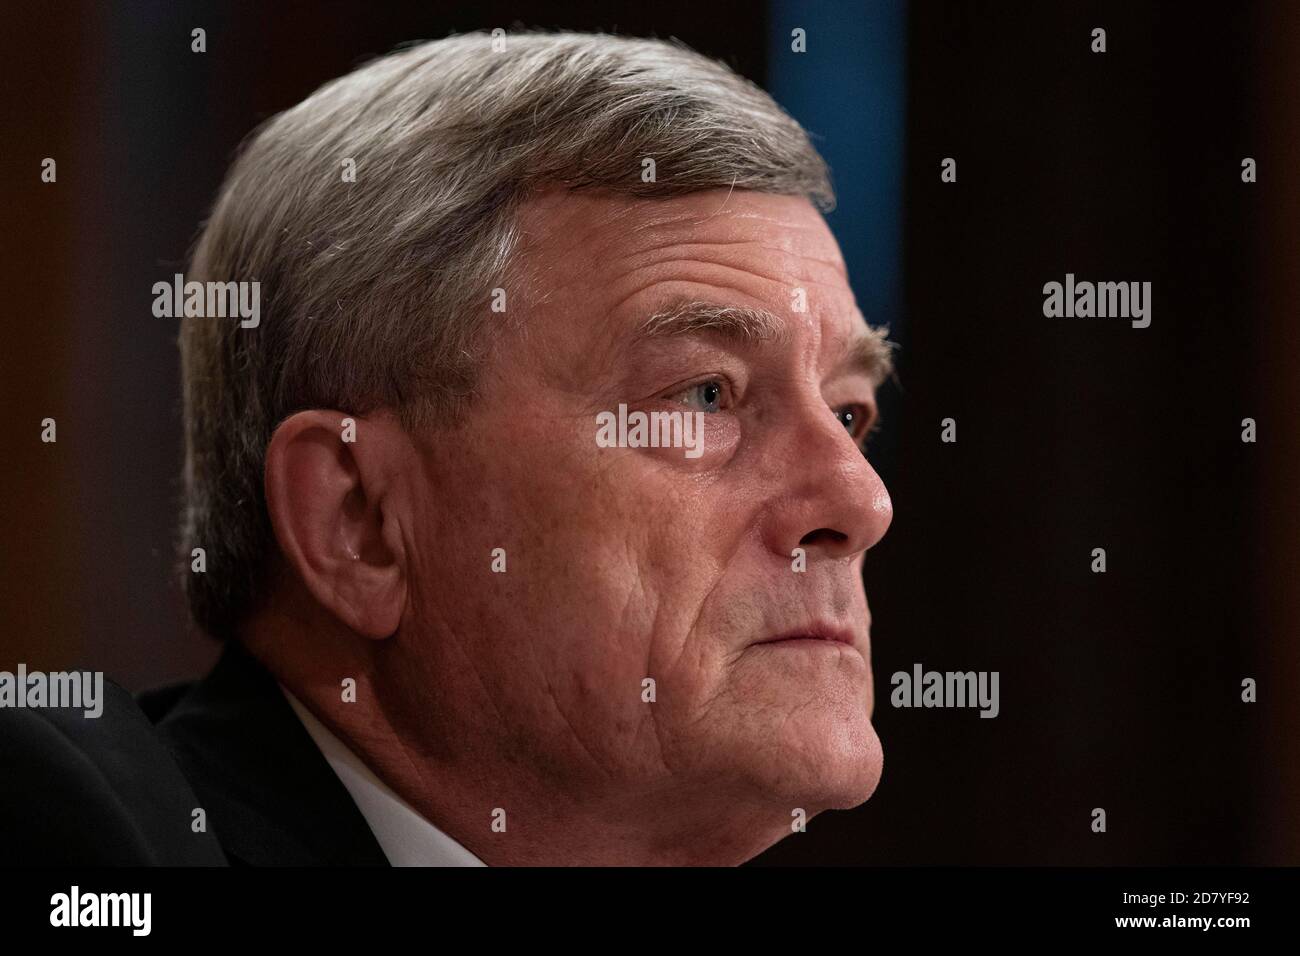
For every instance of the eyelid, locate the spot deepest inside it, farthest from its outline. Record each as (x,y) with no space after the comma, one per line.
(728,388)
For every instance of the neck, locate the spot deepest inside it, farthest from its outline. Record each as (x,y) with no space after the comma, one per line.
(490,796)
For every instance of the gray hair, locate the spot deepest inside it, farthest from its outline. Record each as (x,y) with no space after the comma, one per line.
(375,292)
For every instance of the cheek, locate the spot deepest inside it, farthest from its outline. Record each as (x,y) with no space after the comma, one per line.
(606,567)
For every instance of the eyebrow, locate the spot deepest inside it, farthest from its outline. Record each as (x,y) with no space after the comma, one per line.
(736,323)
(868,353)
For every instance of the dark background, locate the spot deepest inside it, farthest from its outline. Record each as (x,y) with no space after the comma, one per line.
(1119,690)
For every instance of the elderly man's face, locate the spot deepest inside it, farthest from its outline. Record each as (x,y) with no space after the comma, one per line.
(626,564)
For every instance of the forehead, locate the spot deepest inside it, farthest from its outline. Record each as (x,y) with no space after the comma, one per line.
(570,234)
(596,265)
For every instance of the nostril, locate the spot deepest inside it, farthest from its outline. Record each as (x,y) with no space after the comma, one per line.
(823,536)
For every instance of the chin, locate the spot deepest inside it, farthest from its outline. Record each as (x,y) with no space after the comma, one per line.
(821,761)
(839,762)
(800,732)
(852,779)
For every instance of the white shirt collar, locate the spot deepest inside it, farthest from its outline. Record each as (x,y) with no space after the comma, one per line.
(406,838)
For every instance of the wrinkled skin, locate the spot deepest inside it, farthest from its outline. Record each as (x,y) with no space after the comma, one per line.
(523,690)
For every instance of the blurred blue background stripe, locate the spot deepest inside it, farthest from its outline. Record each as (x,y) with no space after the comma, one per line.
(848,90)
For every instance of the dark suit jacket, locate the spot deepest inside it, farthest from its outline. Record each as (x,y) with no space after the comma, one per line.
(121,789)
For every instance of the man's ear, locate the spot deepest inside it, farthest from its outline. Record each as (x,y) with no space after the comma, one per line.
(337,515)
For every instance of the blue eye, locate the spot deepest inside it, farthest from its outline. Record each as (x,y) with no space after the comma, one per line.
(705,396)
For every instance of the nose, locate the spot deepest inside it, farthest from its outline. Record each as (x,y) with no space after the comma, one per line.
(831,502)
